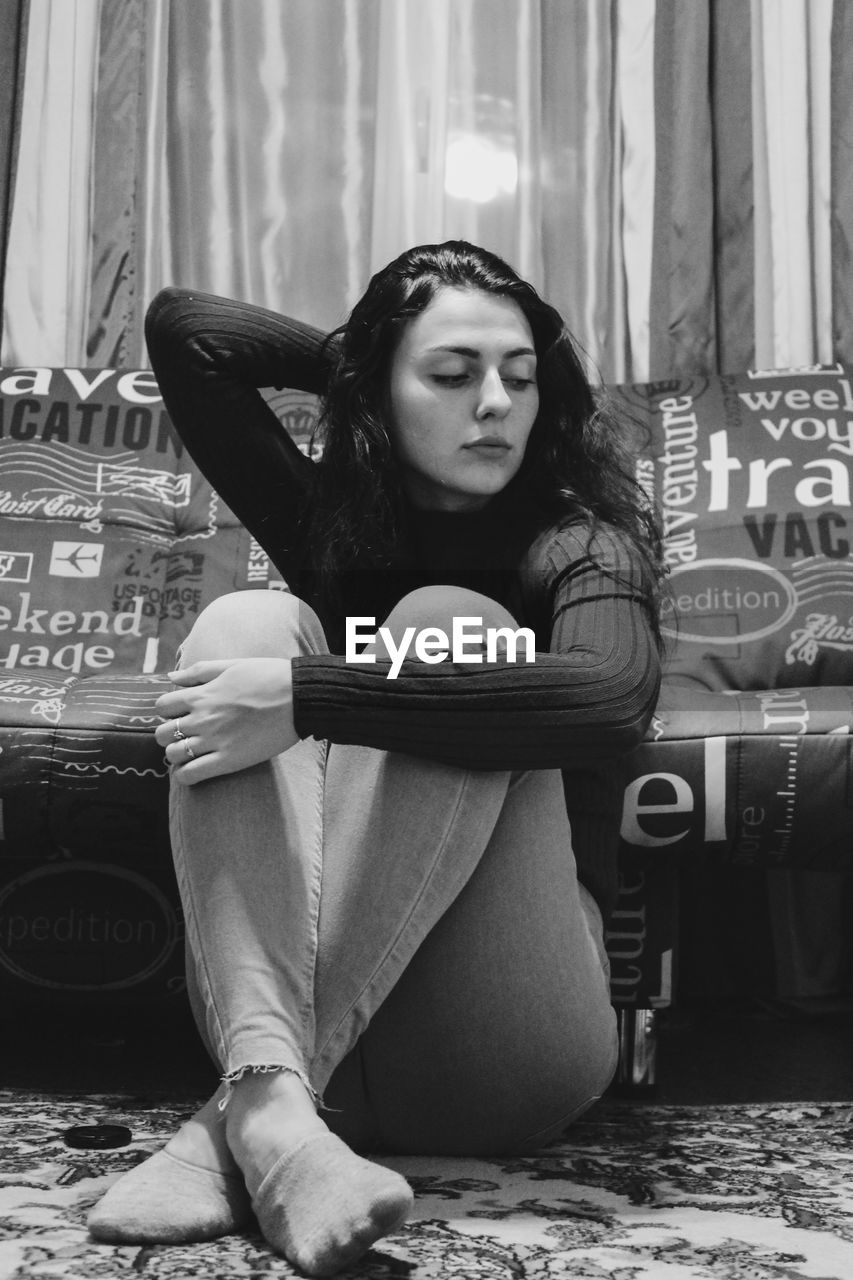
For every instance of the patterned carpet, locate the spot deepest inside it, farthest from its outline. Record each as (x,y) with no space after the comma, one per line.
(633,1191)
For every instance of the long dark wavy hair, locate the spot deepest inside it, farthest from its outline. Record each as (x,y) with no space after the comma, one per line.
(578,465)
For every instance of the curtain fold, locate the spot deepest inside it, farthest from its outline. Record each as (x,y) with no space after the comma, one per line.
(636,90)
(791,71)
(841,179)
(732,176)
(579,176)
(118,168)
(270,150)
(48,259)
(674,177)
(819,227)
(412,93)
(14,15)
(681,311)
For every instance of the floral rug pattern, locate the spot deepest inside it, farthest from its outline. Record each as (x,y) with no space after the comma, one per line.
(631,1192)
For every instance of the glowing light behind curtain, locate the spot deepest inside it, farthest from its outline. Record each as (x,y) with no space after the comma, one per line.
(48,266)
(457,121)
(676,177)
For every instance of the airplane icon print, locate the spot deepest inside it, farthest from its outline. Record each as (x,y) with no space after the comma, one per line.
(76,559)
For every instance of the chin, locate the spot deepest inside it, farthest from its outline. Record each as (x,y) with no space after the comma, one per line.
(479,497)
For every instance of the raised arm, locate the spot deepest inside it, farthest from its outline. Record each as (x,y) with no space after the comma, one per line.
(589,698)
(210,355)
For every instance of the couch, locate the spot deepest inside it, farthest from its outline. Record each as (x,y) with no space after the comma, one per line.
(111,542)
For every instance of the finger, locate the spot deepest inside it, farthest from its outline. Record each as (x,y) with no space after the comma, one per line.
(177,702)
(198,770)
(200,672)
(167,732)
(184,751)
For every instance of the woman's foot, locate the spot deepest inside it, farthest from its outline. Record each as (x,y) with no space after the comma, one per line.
(201,1140)
(268,1112)
(316,1202)
(190,1190)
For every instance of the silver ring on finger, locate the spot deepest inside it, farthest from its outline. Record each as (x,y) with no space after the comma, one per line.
(188,749)
(178,732)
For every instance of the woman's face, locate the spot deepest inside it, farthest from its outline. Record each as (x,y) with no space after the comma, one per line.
(464,397)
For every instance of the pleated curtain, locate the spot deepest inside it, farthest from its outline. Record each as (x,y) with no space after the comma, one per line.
(14,18)
(674,175)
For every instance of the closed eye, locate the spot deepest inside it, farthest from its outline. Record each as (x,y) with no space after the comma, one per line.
(459,379)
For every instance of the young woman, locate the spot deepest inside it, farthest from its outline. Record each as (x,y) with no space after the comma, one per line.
(390,948)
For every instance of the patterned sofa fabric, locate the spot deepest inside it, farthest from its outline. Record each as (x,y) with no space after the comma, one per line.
(752,733)
(753,475)
(747,761)
(111,542)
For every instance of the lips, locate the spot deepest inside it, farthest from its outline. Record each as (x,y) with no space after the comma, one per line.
(488,442)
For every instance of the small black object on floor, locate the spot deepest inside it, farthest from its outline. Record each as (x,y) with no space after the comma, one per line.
(97,1137)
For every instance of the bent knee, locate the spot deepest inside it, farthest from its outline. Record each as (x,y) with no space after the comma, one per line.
(590,1083)
(438,606)
(482,1117)
(254,624)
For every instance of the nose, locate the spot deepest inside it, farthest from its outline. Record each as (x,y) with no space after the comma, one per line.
(494,399)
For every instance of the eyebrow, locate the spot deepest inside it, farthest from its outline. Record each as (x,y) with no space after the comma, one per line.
(472,351)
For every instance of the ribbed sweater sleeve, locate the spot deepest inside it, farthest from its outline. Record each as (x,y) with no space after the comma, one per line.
(210,355)
(589,698)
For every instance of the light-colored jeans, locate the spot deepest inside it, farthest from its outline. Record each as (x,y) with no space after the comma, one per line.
(408,936)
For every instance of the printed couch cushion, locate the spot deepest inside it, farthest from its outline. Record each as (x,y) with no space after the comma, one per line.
(748,758)
(753,476)
(749,752)
(111,542)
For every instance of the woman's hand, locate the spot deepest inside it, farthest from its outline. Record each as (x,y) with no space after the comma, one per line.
(228,715)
